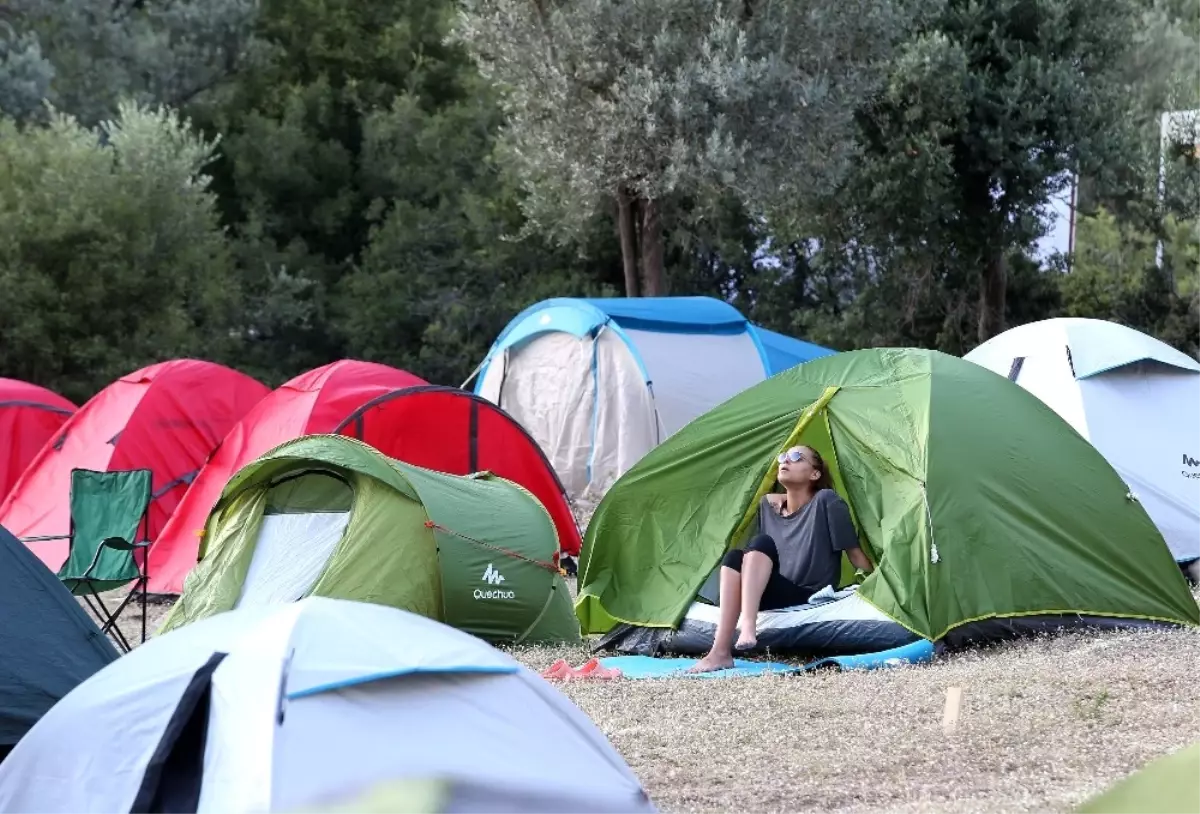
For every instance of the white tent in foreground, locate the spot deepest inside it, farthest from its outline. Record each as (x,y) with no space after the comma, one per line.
(308,704)
(1135,398)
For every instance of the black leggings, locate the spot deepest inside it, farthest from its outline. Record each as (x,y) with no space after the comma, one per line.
(780,592)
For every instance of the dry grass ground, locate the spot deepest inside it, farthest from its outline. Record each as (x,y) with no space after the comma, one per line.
(1045,723)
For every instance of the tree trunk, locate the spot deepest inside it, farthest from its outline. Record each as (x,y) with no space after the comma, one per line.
(992,295)
(626,228)
(654,282)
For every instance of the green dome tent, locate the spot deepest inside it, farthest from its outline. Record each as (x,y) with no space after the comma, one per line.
(327,515)
(974,499)
(1166,785)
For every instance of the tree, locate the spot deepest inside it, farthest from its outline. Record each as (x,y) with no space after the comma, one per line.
(368,217)
(296,187)
(630,105)
(1115,276)
(25,75)
(84,55)
(984,114)
(439,278)
(111,254)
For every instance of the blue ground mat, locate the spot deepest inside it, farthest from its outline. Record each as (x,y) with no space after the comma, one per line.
(918,652)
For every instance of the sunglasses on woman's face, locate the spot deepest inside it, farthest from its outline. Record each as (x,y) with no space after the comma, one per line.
(792,456)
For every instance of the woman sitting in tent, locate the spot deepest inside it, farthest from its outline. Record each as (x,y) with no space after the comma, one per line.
(796,552)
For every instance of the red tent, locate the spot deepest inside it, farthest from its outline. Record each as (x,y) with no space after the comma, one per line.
(29,416)
(459,432)
(166,417)
(313,402)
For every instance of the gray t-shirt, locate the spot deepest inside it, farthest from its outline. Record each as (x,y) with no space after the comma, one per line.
(811,541)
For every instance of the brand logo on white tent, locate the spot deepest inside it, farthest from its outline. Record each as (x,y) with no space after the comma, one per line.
(493,577)
(1188,460)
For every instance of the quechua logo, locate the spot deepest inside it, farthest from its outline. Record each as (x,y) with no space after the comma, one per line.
(492,576)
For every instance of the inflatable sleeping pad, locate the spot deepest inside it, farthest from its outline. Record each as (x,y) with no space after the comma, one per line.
(831,623)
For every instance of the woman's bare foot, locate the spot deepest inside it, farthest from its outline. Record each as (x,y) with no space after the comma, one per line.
(746,643)
(711,663)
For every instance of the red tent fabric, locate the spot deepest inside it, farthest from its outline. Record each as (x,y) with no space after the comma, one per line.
(166,417)
(459,432)
(313,402)
(29,417)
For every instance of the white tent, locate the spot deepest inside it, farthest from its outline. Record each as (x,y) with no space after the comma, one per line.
(1135,398)
(307,704)
(599,382)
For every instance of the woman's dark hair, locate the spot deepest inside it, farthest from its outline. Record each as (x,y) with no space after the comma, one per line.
(818,463)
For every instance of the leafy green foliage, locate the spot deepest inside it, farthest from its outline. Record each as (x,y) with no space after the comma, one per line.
(1115,276)
(85,55)
(984,115)
(111,255)
(443,246)
(25,75)
(291,174)
(370,219)
(638,102)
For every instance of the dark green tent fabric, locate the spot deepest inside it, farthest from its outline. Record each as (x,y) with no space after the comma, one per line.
(48,645)
(974,498)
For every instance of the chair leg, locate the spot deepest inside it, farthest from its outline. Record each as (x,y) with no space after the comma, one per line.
(145,580)
(112,622)
(143,613)
(96,607)
(110,629)
(108,620)
(117,636)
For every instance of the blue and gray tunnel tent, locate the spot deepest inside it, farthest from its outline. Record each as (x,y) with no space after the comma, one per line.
(600,382)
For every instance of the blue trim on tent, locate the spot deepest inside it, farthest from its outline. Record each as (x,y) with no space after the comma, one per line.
(763,356)
(576,317)
(1109,368)
(672,314)
(632,348)
(465,669)
(782,352)
(580,316)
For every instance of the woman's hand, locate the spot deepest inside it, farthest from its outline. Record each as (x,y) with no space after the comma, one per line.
(859,560)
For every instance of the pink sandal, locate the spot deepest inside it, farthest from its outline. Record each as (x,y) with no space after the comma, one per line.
(562,671)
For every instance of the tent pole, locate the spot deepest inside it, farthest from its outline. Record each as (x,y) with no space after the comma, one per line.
(474,373)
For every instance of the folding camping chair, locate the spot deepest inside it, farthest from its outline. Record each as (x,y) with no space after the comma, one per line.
(107,510)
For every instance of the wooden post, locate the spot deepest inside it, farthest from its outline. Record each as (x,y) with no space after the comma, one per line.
(953,705)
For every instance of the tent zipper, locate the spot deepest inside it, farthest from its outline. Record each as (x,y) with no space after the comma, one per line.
(933,549)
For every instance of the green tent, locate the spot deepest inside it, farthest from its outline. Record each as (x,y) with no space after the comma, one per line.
(327,515)
(975,500)
(1167,785)
(414,795)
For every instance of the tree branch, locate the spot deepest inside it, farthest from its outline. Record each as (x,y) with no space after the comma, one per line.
(233,67)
